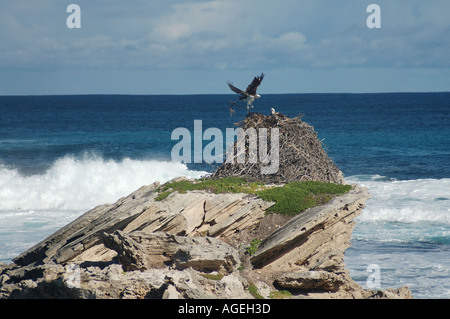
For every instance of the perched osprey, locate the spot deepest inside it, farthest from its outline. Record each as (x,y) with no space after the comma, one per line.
(250,94)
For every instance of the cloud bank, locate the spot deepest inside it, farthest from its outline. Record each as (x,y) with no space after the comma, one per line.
(223,35)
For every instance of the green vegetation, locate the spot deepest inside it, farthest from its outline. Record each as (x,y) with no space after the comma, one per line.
(253,246)
(162,196)
(217,276)
(280,294)
(222,185)
(254,291)
(290,199)
(296,197)
(275,294)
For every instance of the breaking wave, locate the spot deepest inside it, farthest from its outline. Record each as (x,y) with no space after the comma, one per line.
(81,183)
(405,201)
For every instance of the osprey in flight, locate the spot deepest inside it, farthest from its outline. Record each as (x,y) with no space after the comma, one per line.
(250,94)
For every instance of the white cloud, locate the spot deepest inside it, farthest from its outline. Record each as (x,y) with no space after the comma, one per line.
(290,43)
(224,35)
(212,18)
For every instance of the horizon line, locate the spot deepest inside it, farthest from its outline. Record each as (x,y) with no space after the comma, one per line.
(203,94)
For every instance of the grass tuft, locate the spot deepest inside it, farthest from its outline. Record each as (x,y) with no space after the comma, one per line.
(217,276)
(290,199)
(222,185)
(253,246)
(254,291)
(296,197)
(280,294)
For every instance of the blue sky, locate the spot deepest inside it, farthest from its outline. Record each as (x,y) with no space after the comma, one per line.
(195,47)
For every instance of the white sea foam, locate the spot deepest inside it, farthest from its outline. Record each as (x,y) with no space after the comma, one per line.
(74,184)
(404,229)
(408,201)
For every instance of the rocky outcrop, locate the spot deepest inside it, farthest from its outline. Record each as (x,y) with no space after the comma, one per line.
(198,244)
(193,245)
(196,213)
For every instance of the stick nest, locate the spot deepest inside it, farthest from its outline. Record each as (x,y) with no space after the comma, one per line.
(302,156)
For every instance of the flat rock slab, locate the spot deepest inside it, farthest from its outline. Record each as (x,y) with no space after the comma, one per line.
(311,281)
(142,251)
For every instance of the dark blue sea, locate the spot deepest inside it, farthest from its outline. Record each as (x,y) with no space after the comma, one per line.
(62,155)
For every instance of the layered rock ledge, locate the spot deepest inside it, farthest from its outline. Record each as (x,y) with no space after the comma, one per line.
(193,245)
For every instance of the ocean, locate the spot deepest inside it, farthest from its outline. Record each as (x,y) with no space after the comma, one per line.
(63,155)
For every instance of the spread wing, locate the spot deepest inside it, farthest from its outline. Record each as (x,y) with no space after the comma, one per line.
(251,89)
(236,90)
